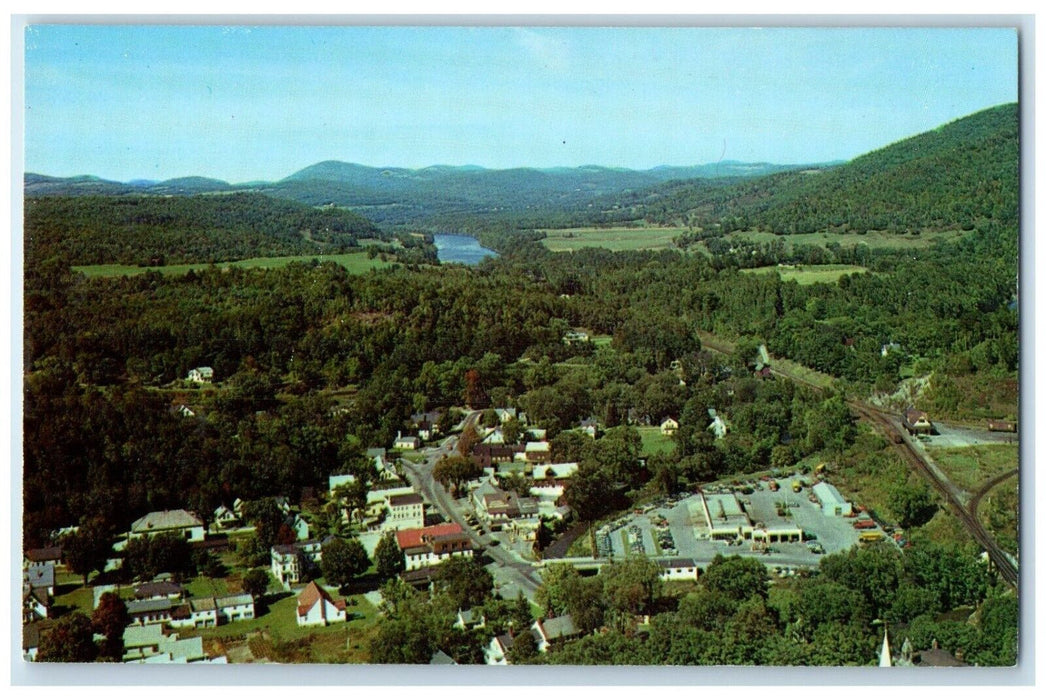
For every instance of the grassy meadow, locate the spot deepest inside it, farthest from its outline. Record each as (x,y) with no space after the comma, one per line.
(807,274)
(571,239)
(872,239)
(969,467)
(355,263)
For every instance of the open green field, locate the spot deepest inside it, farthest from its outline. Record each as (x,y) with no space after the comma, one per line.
(654,442)
(808,274)
(872,239)
(355,263)
(999,512)
(571,239)
(276,636)
(969,467)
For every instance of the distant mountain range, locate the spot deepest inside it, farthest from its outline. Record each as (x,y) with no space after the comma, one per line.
(955,176)
(402,195)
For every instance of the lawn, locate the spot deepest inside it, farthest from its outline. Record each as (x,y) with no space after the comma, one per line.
(283,641)
(355,263)
(969,467)
(571,239)
(203,587)
(75,597)
(808,274)
(654,442)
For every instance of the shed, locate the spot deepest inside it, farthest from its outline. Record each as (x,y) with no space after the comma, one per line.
(832,502)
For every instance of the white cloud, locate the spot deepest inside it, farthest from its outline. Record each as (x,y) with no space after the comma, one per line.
(550,52)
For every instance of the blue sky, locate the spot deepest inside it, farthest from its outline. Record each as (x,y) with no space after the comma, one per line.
(259,103)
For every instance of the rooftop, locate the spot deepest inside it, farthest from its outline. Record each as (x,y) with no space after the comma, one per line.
(406,499)
(312,594)
(144,607)
(165,520)
(828,493)
(415,537)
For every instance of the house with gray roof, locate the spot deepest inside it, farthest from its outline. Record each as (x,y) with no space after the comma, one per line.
(180,523)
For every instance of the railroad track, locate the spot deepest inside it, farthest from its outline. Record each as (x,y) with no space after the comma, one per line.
(885,424)
(975,502)
(967,516)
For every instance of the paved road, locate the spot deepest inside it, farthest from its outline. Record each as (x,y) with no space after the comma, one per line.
(512,568)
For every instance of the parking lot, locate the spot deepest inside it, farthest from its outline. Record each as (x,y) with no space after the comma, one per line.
(677,527)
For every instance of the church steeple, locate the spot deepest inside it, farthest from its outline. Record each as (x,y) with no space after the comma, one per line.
(884,654)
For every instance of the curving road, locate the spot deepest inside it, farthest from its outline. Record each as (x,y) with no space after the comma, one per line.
(519,572)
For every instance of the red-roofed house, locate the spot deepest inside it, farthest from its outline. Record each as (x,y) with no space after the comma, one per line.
(426,546)
(316,607)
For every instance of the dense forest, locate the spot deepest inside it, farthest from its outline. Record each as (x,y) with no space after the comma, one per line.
(405,339)
(86,230)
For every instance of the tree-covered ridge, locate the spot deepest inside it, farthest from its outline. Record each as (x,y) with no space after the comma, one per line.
(436,196)
(134,229)
(952,177)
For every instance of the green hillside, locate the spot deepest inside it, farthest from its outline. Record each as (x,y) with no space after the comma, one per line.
(135,229)
(949,178)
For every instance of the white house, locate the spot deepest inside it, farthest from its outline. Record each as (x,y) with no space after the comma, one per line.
(316,607)
(179,523)
(151,611)
(496,652)
(678,569)
(405,511)
(408,442)
(669,426)
(428,546)
(225,518)
(201,375)
(290,561)
(235,607)
(203,612)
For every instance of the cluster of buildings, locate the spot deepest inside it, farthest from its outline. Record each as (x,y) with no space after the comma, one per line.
(166,602)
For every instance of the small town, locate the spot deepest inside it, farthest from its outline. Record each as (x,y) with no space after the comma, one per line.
(362,346)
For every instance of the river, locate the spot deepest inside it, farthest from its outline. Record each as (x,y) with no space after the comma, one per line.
(455,248)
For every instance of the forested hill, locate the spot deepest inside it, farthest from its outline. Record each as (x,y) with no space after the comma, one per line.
(952,177)
(136,229)
(428,196)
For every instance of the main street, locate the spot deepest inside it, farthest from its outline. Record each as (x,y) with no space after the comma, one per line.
(511,569)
